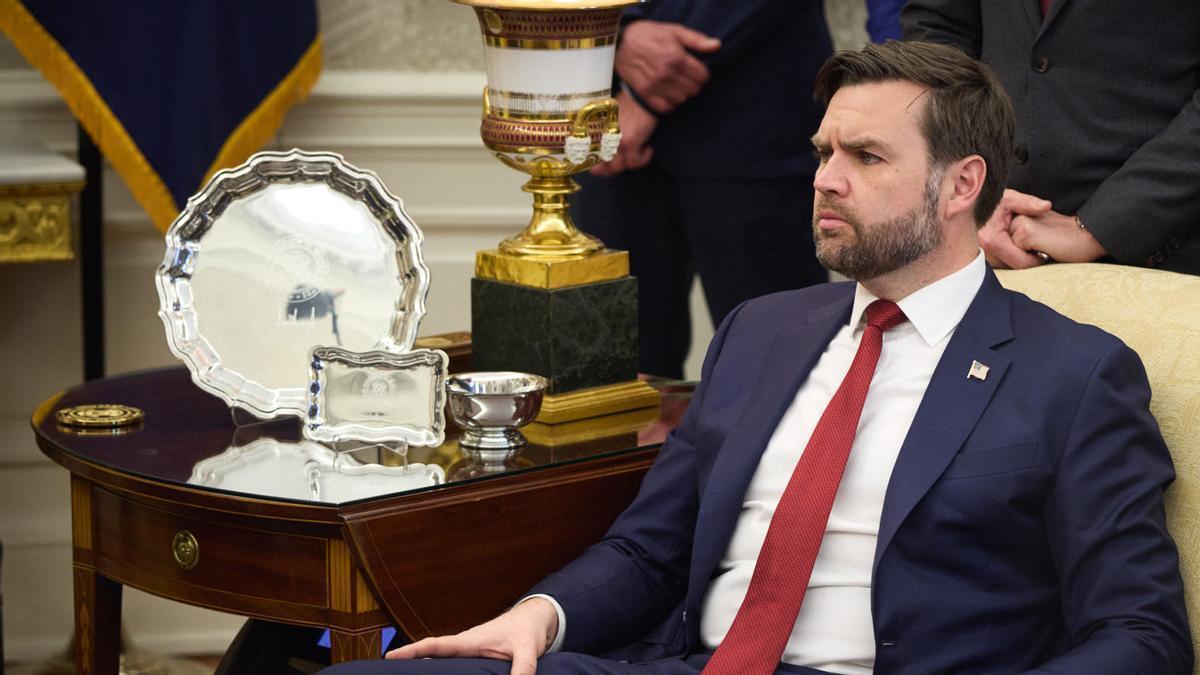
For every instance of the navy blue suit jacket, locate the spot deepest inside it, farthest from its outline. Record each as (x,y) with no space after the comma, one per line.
(1022,529)
(754,116)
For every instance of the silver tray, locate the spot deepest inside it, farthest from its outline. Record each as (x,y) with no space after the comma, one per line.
(377,396)
(289,251)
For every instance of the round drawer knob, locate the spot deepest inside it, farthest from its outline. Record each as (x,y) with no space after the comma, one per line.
(186,549)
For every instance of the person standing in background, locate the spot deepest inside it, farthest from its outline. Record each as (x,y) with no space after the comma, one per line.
(1107,96)
(714,175)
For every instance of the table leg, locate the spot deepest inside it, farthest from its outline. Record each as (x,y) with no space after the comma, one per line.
(351,646)
(97,623)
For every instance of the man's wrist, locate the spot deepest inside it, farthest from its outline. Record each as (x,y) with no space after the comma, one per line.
(637,99)
(554,633)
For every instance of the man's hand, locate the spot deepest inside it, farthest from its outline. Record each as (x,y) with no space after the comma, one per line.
(636,127)
(1058,236)
(655,58)
(995,237)
(520,635)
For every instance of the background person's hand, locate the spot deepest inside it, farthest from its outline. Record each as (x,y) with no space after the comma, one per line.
(636,127)
(656,59)
(995,237)
(1058,236)
(520,635)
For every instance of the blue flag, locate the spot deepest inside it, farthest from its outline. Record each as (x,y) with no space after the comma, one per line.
(171,90)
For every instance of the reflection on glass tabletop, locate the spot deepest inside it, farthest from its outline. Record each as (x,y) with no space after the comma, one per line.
(189,438)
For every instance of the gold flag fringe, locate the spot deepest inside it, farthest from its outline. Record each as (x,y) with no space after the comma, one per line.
(258,127)
(56,65)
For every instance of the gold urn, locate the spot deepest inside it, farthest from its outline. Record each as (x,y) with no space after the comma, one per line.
(548,109)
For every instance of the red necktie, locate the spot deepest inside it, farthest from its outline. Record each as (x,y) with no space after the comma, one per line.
(1045,7)
(765,620)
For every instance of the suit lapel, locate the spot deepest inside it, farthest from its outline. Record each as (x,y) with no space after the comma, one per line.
(1055,7)
(951,406)
(793,353)
(1033,12)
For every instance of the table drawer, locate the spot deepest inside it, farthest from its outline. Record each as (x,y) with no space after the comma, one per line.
(177,555)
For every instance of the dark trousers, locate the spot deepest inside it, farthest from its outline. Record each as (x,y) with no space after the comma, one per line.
(564,663)
(743,237)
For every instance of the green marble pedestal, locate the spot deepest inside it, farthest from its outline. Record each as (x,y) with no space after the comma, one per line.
(578,337)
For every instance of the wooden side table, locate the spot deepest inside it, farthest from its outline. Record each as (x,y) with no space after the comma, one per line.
(429,561)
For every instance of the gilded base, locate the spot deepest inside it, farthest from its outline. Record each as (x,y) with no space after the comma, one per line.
(606,400)
(574,245)
(551,273)
(590,429)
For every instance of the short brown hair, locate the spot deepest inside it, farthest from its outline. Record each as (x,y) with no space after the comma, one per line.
(967,112)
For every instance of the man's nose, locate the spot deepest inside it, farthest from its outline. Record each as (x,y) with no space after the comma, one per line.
(830,179)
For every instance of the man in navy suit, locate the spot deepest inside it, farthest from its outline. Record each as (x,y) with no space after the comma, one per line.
(998,504)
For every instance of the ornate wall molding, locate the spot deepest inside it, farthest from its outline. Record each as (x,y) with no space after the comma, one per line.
(440,36)
(35,228)
(403,35)
(847,21)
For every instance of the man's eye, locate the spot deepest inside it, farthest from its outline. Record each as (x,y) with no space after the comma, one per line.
(821,155)
(868,158)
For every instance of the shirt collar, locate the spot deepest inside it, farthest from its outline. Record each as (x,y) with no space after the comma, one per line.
(933,310)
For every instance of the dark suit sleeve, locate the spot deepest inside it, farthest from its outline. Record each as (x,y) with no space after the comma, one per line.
(618,589)
(1122,596)
(737,24)
(1144,211)
(883,19)
(955,22)
(1150,205)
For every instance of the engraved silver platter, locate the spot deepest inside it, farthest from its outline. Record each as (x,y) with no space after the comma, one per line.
(377,396)
(289,251)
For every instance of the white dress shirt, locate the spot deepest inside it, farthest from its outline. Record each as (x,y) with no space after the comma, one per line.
(834,631)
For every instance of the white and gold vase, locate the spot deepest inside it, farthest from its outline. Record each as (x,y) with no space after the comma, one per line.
(548,109)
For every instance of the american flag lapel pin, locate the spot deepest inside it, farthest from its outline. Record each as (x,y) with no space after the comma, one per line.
(977,371)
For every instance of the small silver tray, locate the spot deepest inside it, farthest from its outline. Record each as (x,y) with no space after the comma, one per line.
(287,252)
(377,396)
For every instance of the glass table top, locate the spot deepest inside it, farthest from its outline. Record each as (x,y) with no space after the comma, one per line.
(189,437)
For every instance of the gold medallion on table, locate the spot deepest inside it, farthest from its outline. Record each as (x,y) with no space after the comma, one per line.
(97,416)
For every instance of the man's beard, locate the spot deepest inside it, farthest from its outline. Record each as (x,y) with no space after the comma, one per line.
(884,247)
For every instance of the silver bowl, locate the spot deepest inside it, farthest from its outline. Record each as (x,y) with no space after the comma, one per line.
(491,406)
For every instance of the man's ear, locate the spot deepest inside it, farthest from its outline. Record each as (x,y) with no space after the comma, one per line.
(964,179)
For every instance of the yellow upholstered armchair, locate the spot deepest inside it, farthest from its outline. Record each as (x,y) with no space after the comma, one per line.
(1157,314)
